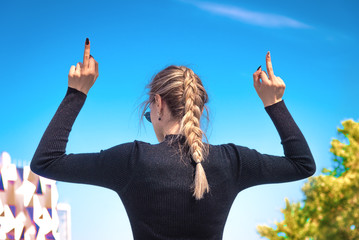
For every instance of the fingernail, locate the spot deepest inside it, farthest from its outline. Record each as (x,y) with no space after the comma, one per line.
(259,67)
(87,41)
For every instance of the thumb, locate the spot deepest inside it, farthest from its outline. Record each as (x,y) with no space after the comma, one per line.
(256,78)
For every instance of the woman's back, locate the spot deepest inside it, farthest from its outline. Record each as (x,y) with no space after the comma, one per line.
(158,197)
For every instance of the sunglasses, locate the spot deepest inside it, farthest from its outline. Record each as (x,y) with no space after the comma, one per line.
(148,116)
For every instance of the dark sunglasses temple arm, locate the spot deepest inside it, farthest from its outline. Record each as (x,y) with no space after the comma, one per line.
(148,116)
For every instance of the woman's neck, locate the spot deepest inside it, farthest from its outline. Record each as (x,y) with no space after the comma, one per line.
(172,127)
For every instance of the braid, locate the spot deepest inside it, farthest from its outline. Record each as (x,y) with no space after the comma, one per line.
(190,127)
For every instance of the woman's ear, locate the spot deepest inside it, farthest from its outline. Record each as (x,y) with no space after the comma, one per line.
(158,101)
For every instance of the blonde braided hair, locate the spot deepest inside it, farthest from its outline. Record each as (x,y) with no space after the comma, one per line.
(190,127)
(186,97)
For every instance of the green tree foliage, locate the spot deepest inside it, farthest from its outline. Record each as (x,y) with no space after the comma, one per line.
(330,210)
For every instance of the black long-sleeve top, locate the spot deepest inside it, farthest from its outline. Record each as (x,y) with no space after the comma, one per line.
(155,185)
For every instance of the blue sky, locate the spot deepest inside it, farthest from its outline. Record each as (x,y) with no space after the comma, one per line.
(314,49)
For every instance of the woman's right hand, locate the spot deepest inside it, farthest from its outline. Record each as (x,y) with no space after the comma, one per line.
(271,88)
(84,75)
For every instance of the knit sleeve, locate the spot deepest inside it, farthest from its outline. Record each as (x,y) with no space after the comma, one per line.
(254,168)
(108,168)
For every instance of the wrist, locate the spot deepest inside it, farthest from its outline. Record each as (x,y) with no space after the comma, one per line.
(72,90)
(84,91)
(269,103)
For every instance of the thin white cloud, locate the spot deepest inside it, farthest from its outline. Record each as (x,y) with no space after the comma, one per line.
(250,17)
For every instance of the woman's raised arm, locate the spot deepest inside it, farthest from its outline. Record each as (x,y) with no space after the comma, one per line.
(109,168)
(297,162)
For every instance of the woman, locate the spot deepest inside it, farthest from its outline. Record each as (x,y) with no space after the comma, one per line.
(180,188)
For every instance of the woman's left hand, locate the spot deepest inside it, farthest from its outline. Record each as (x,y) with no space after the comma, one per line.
(83,75)
(272,87)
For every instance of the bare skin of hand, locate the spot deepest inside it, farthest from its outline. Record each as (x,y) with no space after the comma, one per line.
(83,75)
(271,88)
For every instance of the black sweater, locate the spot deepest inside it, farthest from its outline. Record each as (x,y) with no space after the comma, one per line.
(154,184)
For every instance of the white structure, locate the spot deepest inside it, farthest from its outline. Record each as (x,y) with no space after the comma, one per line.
(28,205)
(64,213)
